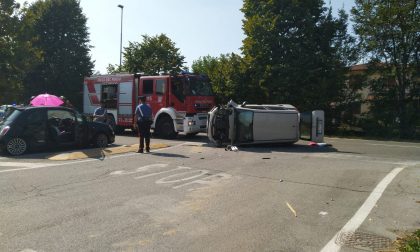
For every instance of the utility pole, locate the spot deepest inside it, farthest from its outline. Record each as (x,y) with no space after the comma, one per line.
(122,11)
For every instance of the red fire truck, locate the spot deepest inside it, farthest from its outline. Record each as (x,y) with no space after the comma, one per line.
(179,103)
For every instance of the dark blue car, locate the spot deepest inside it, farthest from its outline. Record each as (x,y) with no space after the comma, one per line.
(34,128)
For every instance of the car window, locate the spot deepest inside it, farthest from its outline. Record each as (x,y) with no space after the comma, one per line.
(244,131)
(11,114)
(147,87)
(35,117)
(61,117)
(160,87)
(60,114)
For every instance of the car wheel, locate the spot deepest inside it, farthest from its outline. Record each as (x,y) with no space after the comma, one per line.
(165,128)
(16,146)
(101,140)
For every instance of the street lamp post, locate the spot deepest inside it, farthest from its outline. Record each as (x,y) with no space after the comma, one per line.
(122,8)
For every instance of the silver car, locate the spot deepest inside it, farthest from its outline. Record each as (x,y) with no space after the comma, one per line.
(235,124)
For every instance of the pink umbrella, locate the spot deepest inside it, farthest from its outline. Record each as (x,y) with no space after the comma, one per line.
(46,100)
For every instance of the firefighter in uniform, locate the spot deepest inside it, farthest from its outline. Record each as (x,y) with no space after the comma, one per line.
(143,120)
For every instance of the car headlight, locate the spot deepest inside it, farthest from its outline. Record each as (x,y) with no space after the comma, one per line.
(4,130)
(191,123)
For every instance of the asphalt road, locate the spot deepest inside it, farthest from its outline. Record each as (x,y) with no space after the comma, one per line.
(356,195)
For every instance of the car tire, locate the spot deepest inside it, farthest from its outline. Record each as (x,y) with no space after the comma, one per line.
(16,146)
(101,140)
(165,128)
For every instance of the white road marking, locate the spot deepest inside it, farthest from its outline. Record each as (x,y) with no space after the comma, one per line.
(24,166)
(359,217)
(208,181)
(140,169)
(21,164)
(167,179)
(38,166)
(180,175)
(158,173)
(323,213)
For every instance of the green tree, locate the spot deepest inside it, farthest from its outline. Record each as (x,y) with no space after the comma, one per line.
(59,27)
(153,55)
(389,34)
(113,69)
(17,55)
(294,52)
(226,74)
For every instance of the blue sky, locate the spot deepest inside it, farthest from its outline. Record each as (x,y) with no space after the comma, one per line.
(198,27)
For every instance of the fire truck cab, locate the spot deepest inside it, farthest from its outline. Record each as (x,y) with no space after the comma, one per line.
(179,103)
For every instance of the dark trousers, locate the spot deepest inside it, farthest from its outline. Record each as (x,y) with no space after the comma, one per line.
(144,134)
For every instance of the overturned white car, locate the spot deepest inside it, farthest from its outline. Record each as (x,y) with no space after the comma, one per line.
(235,124)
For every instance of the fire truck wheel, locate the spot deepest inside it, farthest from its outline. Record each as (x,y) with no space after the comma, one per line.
(165,127)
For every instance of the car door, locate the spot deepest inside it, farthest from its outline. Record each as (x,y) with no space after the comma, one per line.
(82,136)
(35,128)
(61,124)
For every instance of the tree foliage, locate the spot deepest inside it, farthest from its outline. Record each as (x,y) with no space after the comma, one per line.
(389,35)
(295,52)
(153,55)
(16,52)
(226,74)
(59,27)
(113,69)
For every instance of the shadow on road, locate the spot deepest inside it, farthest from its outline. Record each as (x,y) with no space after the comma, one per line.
(289,148)
(169,155)
(47,153)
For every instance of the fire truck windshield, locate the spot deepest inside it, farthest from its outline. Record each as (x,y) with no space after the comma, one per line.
(198,86)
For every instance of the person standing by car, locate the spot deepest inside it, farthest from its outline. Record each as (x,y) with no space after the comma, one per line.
(100,114)
(142,121)
(67,102)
